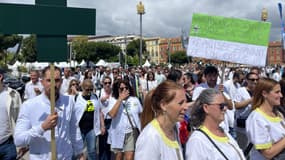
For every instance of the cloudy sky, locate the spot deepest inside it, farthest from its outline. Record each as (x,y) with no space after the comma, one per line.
(167,18)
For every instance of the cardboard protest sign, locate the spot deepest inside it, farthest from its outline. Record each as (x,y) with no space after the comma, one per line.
(229,39)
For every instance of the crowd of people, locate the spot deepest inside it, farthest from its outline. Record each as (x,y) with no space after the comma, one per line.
(190,112)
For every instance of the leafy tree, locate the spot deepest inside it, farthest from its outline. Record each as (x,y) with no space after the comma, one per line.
(106,51)
(80,47)
(94,51)
(179,57)
(133,48)
(29,52)
(133,60)
(7,41)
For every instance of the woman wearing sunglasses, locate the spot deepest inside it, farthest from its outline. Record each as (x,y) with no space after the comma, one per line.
(209,141)
(124,109)
(265,126)
(73,87)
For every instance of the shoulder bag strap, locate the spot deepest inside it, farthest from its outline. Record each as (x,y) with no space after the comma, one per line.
(213,143)
(129,118)
(247,149)
(147,85)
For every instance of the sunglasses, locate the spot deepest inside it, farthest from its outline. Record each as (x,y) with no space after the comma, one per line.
(122,88)
(74,84)
(89,89)
(253,79)
(107,83)
(221,105)
(55,80)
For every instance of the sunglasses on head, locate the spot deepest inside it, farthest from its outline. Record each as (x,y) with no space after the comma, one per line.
(221,105)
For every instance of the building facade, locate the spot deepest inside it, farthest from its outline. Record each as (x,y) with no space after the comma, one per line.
(275,53)
(169,46)
(152,48)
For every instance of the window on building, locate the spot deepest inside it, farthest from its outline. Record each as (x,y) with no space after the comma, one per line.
(272,57)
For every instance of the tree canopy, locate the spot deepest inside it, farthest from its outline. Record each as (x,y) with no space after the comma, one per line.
(7,41)
(29,52)
(179,57)
(133,48)
(95,51)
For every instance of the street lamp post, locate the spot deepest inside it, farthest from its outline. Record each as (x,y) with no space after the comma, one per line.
(140,11)
(264,14)
(168,50)
(125,51)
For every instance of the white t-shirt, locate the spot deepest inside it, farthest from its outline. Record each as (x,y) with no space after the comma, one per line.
(152,144)
(30,89)
(65,84)
(199,147)
(242,113)
(160,78)
(233,91)
(101,93)
(5,130)
(120,124)
(263,131)
(148,85)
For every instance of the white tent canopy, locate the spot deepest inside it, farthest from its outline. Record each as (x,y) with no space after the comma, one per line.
(82,63)
(62,64)
(146,64)
(17,63)
(101,62)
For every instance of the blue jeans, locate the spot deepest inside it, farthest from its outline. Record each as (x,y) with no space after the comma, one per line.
(89,140)
(8,150)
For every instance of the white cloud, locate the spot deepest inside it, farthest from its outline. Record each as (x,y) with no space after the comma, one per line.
(166,18)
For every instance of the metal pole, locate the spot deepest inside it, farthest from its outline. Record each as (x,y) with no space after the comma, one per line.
(140,58)
(70,54)
(169,58)
(126,57)
(120,58)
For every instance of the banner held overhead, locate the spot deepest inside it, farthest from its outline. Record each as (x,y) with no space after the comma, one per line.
(229,39)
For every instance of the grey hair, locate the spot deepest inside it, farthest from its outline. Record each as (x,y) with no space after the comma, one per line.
(197,113)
